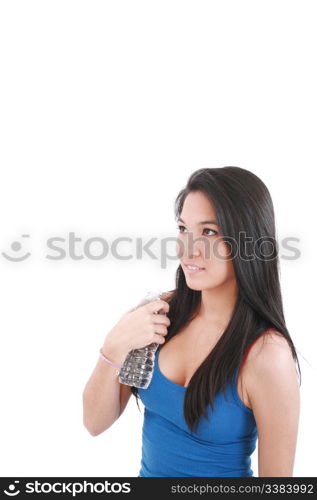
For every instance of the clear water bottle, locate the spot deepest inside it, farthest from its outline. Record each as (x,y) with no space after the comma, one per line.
(137,369)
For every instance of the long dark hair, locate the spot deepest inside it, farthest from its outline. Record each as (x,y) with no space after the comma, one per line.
(243,204)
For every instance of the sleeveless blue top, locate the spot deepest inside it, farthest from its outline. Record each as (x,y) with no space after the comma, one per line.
(221,446)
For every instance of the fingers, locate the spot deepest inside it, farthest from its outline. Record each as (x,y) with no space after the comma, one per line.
(160,329)
(159,339)
(161,319)
(158,306)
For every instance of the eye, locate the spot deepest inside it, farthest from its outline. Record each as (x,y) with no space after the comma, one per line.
(205,229)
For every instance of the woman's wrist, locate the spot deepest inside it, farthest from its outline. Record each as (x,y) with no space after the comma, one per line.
(114,353)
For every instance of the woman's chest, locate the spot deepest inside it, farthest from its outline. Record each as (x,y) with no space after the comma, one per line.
(164,399)
(182,355)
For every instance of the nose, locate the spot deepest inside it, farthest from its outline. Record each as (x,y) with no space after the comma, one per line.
(193,251)
(191,247)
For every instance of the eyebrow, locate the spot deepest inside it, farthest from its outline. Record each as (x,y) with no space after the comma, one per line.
(202,222)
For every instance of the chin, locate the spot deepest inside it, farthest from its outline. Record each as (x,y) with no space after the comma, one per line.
(194,286)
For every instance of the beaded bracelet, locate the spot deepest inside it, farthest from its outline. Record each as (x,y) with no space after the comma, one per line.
(102,356)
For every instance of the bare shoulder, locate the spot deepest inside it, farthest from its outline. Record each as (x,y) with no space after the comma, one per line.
(270,359)
(268,342)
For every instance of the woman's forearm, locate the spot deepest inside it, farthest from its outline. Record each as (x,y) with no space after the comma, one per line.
(101,396)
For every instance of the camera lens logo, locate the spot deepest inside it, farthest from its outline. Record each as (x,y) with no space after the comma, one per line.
(11,487)
(16,247)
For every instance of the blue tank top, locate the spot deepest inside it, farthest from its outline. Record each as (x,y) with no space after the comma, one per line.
(221,447)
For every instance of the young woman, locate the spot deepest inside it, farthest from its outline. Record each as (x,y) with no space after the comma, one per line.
(224,373)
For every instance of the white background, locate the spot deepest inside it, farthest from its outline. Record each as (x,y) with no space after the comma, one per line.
(107,107)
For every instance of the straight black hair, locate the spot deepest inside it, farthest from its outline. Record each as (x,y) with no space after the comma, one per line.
(243,204)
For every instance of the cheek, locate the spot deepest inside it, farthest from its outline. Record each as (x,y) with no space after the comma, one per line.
(217,252)
(221,250)
(220,260)
(179,247)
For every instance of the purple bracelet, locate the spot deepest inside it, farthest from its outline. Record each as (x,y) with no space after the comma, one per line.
(110,362)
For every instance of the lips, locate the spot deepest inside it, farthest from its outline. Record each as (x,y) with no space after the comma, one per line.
(192,266)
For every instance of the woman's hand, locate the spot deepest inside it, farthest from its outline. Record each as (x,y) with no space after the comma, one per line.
(140,327)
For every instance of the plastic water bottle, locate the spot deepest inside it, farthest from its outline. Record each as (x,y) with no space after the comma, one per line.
(137,369)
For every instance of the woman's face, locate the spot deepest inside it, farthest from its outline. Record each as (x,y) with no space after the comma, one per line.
(201,244)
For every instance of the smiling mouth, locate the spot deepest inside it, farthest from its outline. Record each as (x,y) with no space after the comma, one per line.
(194,268)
